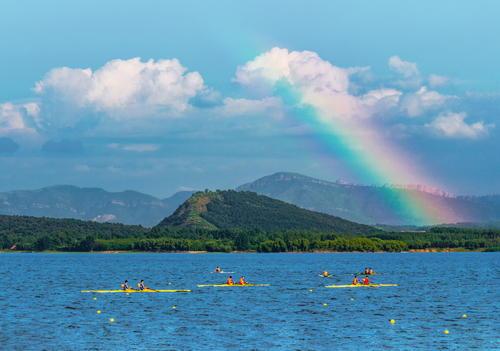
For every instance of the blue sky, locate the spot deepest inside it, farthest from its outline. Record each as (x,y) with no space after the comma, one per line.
(162,96)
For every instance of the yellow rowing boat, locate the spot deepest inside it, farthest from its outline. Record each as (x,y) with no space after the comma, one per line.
(133,291)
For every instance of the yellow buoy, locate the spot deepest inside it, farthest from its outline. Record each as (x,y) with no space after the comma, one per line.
(392,321)
(446,331)
(464,315)
(98,311)
(111,320)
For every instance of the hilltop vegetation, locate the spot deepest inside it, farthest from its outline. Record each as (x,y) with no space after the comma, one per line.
(250,211)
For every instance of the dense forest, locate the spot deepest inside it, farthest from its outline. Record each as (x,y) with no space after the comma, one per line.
(231,209)
(38,234)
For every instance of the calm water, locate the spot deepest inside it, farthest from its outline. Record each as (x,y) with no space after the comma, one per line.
(42,307)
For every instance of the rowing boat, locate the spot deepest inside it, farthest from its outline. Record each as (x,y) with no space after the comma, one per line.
(136,291)
(230,285)
(359,286)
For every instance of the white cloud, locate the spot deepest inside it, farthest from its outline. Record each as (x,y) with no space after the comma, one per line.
(321,84)
(437,80)
(134,147)
(271,106)
(124,88)
(453,125)
(304,69)
(406,68)
(18,118)
(423,100)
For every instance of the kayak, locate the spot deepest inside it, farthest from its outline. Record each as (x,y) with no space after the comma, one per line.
(359,286)
(229,286)
(136,291)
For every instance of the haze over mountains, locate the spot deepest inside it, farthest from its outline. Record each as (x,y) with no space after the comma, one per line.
(373,204)
(65,201)
(358,203)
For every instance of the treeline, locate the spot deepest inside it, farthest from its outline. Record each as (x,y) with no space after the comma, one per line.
(38,234)
(447,237)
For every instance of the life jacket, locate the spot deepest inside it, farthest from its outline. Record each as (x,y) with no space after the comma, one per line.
(355,281)
(229,281)
(242,281)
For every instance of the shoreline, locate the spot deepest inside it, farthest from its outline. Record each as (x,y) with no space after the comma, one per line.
(109,252)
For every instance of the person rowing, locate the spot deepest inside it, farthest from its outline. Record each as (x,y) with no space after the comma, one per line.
(218,269)
(366,281)
(368,271)
(242,281)
(125,285)
(142,286)
(230,280)
(355,281)
(325,274)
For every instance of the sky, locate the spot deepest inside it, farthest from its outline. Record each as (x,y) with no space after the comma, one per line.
(162,96)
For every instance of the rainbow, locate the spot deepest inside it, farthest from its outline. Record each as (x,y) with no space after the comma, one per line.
(372,158)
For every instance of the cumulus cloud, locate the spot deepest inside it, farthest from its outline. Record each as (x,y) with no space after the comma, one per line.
(453,125)
(407,70)
(124,88)
(134,147)
(320,83)
(423,100)
(18,118)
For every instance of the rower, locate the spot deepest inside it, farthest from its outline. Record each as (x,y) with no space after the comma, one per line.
(366,281)
(230,281)
(355,281)
(125,285)
(141,285)
(242,281)
(367,271)
(372,271)
(325,274)
(218,269)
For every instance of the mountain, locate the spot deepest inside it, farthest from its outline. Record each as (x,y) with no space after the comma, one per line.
(247,210)
(375,204)
(65,201)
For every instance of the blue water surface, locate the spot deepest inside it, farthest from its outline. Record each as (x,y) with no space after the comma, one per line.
(42,307)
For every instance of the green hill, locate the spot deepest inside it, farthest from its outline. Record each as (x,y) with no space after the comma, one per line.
(247,210)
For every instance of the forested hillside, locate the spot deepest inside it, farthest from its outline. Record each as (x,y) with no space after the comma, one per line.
(246,210)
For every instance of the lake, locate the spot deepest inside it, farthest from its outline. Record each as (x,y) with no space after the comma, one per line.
(43,308)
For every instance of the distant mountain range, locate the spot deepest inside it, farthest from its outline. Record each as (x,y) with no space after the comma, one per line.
(213,210)
(64,201)
(358,203)
(374,204)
